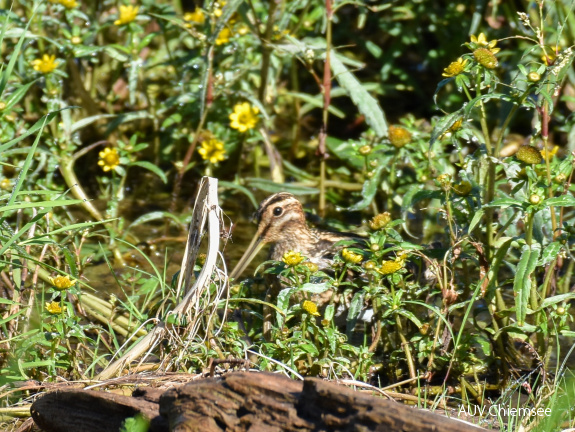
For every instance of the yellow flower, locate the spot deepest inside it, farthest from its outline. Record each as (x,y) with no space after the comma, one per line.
(224,36)
(53,307)
(481,42)
(201,260)
(69,4)
(242,29)
(311,266)
(550,153)
(310,307)
(351,257)
(390,267)
(292,258)
(485,58)
(463,188)
(212,150)
(46,64)
(244,117)
(62,283)
(398,136)
(196,16)
(456,125)
(127,14)
(218,6)
(533,76)
(109,159)
(454,68)
(5,184)
(380,221)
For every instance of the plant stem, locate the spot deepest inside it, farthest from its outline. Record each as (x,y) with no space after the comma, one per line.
(405,345)
(67,170)
(267,50)
(326,90)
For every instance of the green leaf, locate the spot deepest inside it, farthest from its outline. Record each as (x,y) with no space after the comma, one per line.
(524,329)
(355,308)
(240,188)
(89,120)
(283,304)
(409,200)
(45,204)
(272,187)
(485,97)
(556,299)
(15,97)
(407,314)
(443,125)
(14,55)
(116,54)
(366,103)
(475,220)
(369,189)
(329,312)
(561,201)
(504,203)
(315,102)
(37,126)
(346,151)
(151,167)
(28,161)
(522,282)
(549,253)
(315,288)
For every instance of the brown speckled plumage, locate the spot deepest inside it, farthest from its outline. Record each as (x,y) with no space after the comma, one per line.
(282,224)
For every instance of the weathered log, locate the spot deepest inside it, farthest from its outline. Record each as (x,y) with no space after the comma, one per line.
(268,402)
(91,411)
(238,402)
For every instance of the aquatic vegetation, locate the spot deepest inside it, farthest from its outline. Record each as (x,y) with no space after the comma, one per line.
(451,156)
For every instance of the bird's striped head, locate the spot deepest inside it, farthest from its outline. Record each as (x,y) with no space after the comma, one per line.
(279,216)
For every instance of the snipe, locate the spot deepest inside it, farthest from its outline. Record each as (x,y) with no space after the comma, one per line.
(282,224)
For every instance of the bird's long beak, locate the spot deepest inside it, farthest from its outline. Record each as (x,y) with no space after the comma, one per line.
(255,246)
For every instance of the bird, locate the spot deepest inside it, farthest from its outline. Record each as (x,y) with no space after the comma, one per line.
(282,224)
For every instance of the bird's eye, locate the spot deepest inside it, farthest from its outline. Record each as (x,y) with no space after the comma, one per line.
(278,211)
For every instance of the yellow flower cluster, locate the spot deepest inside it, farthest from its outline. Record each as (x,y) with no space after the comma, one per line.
(109,159)
(380,221)
(212,150)
(197,16)
(351,257)
(485,58)
(311,266)
(484,51)
(224,36)
(244,117)
(454,68)
(390,267)
(68,4)
(62,283)
(398,136)
(46,64)
(127,14)
(292,258)
(481,42)
(463,188)
(548,155)
(310,307)
(53,307)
